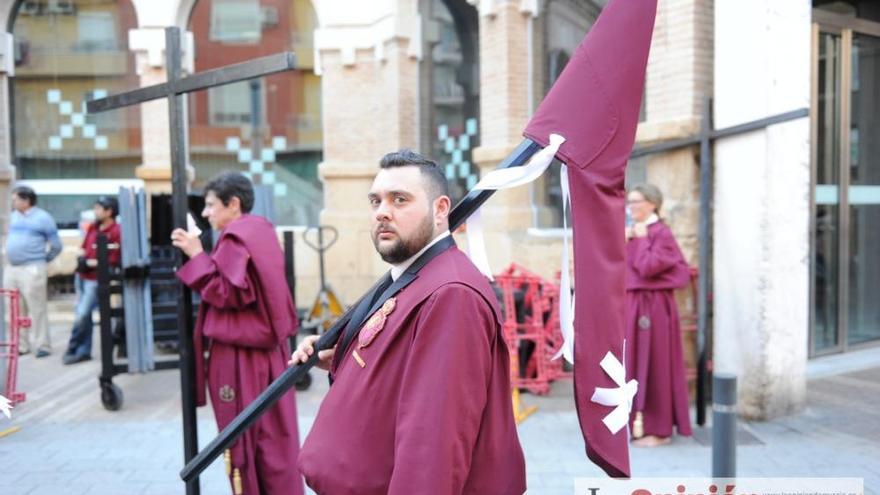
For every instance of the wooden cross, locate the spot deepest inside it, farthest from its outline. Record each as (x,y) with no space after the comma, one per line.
(174,90)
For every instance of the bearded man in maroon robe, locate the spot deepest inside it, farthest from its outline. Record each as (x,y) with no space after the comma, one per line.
(654,355)
(246,316)
(420,396)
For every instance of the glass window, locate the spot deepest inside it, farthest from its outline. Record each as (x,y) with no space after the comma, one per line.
(270,128)
(557,31)
(236,21)
(67,52)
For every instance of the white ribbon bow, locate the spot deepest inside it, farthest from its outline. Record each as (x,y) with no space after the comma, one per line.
(6,407)
(620,398)
(505,179)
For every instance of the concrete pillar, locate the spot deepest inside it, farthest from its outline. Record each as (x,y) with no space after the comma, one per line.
(368,57)
(7,169)
(761,215)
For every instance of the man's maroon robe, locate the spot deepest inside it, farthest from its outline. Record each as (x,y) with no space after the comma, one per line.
(430,411)
(247,315)
(654,355)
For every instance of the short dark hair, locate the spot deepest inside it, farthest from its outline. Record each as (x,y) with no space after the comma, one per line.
(227,185)
(25,192)
(109,203)
(435,180)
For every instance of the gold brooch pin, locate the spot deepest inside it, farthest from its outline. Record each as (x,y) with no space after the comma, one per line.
(357,357)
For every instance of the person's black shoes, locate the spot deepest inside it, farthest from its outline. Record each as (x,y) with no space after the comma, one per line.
(41,353)
(73,358)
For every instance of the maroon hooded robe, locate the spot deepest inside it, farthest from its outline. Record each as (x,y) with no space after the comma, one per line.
(430,409)
(247,314)
(654,356)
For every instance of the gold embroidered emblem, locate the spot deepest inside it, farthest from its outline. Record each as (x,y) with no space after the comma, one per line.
(227,393)
(376,323)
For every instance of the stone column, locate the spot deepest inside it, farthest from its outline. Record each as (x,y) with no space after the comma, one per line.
(761,216)
(368,60)
(7,169)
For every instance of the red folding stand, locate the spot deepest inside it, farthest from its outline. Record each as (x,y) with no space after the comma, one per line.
(9,349)
(539,326)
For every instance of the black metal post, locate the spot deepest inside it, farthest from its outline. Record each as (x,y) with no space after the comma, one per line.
(705,277)
(290,263)
(106,324)
(292,375)
(179,208)
(321,256)
(724,426)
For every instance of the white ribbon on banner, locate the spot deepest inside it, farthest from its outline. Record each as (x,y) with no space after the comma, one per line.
(477,245)
(566,299)
(505,179)
(620,398)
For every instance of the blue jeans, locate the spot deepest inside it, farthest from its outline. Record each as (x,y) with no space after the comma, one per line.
(87,301)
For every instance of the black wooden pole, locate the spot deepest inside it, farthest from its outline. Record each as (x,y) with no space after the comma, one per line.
(179,208)
(705,254)
(288,379)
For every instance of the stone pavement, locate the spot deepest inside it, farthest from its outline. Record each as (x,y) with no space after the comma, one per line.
(68,444)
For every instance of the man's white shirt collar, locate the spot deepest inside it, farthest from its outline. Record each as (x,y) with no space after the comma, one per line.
(398,269)
(652,219)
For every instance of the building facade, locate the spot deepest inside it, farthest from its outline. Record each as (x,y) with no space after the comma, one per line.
(796,205)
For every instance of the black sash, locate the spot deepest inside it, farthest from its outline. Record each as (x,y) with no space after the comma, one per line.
(370,303)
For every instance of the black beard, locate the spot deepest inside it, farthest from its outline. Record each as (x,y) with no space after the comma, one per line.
(403,249)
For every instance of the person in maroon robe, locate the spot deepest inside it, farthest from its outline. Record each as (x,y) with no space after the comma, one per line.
(420,397)
(654,355)
(246,315)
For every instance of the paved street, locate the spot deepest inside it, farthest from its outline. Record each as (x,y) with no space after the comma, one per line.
(68,444)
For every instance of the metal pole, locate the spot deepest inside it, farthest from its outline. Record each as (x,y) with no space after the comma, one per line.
(256,139)
(179,207)
(290,263)
(705,253)
(724,426)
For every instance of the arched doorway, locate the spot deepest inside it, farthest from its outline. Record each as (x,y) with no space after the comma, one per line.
(450,89)
(269,129)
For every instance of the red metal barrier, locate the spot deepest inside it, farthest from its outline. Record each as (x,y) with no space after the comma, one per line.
(9,349)
(531,326)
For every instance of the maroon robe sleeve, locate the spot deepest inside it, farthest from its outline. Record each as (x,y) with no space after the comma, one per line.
(655,254)
(443,393)
(221,279)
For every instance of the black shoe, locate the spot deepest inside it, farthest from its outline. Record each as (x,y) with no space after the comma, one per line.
(41,353)
(73,359)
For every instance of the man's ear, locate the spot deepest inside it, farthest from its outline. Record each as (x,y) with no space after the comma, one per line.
(235,203)
(442,206)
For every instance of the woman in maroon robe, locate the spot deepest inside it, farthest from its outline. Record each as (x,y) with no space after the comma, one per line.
(654,355)
(246,315)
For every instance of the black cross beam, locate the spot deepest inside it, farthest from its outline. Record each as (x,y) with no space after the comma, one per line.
(705,138)
(174,90)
